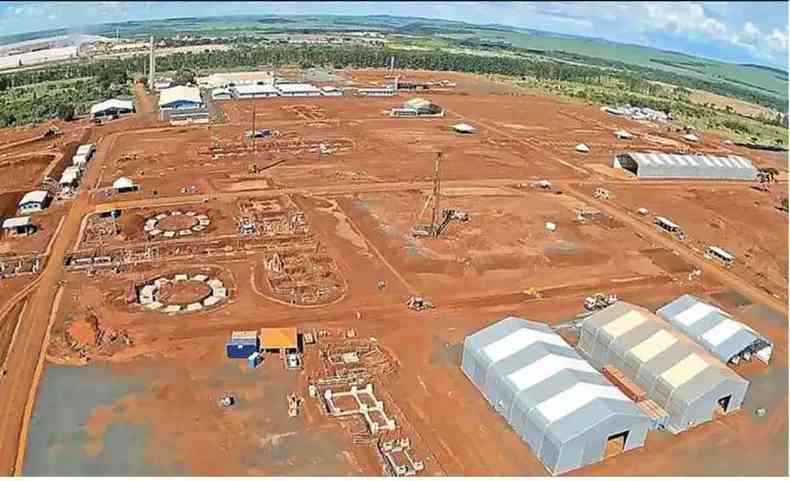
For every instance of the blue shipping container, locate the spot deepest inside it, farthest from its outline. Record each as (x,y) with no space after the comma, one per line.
(241,350)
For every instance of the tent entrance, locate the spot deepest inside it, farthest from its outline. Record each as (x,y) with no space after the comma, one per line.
(722,405)
(615,444)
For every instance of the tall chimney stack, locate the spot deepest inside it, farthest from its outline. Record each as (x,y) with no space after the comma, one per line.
(151,66)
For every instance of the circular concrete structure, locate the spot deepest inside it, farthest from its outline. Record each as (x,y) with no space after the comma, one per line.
(182,293)
(176,224)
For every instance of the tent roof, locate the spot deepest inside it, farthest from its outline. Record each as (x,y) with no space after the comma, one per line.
(558,389)
(111,104)
(123,183)
(712,328)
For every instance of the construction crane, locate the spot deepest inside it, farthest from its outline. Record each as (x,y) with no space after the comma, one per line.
(439,218)
(433,201)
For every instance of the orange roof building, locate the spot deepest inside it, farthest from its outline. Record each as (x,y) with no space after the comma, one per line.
(278,338)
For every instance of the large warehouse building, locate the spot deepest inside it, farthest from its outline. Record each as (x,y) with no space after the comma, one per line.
(714,329)
(674,166)
(567,412)
(180,97)
(681,377)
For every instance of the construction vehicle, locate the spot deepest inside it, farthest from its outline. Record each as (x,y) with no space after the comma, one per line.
(226,400)
(603,194)
(599,301)
(416,303)
(765,177)
(293,361)
(293,404)
(51,132)
(258,134)
(439,219)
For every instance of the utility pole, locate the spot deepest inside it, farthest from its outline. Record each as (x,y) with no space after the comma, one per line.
(436,194)
(254,150)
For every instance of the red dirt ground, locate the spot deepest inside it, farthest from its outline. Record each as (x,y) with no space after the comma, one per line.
(361,203)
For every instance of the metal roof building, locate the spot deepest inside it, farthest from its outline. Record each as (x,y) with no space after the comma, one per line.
(681,377)
(675,166)
(110,107)
(556,401)
(298,90)
(255,91)
(180,97)
(33,201)
(230,79)
(715,330)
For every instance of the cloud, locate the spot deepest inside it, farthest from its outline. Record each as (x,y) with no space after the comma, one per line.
(735,31)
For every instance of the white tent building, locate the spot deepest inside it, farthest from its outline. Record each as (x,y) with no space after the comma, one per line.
(463,128)
(124,184)
(676,166)
(111,107)
(556,401)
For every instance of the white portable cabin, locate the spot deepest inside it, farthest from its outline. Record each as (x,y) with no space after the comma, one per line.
(84,154)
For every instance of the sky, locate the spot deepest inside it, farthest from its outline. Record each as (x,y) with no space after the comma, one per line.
(744,32)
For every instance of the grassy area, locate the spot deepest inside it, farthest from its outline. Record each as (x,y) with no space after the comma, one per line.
(45,100)
(756,78)
(695,115)
(434,33)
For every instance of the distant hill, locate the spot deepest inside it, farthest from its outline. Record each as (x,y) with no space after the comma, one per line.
(760,79)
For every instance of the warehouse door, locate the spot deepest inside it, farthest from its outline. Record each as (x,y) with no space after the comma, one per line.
(615,444)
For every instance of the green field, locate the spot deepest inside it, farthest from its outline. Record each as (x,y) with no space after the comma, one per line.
(442,33)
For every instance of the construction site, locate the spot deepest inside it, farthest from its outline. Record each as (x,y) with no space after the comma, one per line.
(300,285)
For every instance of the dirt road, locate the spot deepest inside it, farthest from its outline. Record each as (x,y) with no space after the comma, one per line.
(15,388)
(710,269)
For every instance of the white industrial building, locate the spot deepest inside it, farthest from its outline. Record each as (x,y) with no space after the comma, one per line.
(235,79)
(566,411)
(375,92)
(34,201)
(111,107)
(255,91)
(180,97)
(690,384)
(298,90)
(675,166)
(729,340)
